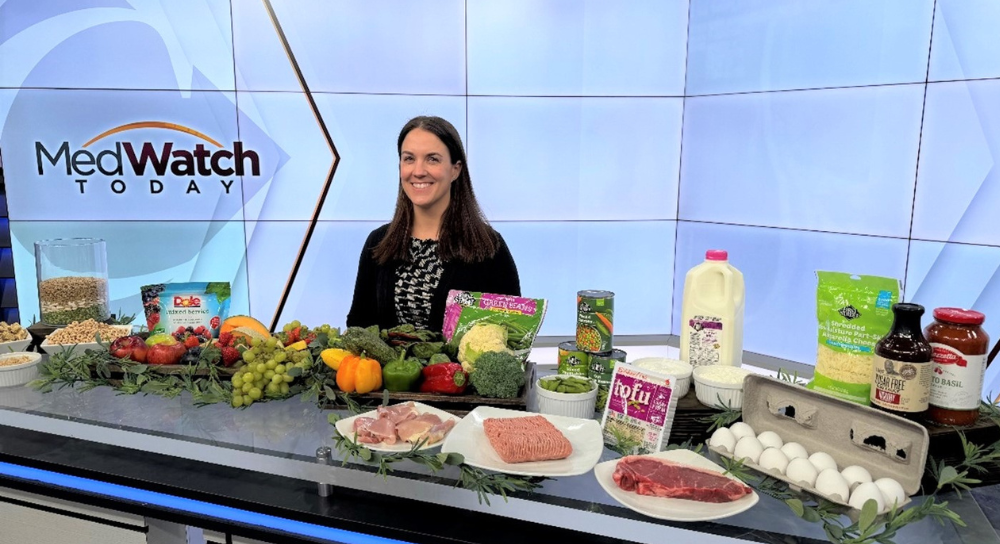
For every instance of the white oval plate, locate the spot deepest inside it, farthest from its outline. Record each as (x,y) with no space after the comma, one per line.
(674,509)
(469,439)
(346,429)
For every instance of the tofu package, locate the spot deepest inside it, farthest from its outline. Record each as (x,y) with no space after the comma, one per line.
(640,410)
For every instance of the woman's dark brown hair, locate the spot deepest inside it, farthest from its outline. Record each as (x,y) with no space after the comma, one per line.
(465,233)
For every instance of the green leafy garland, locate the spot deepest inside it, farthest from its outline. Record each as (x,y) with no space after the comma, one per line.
(93,368)
(870,527)
(482,482)
(867,530)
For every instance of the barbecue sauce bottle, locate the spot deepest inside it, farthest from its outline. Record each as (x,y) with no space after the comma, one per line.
(901,377)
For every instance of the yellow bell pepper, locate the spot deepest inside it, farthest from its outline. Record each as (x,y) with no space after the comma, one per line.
(359,375)
(333,357)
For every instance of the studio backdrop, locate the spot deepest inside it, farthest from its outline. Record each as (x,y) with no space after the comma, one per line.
(610,143)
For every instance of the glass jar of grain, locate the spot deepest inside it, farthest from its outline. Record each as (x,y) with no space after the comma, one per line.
(72,280)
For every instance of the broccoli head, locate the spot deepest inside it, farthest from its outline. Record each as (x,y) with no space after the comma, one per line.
(498,374)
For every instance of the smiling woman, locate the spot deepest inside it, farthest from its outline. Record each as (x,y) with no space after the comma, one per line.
(438,239)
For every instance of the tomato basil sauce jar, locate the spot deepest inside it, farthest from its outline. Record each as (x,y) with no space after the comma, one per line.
(960,345)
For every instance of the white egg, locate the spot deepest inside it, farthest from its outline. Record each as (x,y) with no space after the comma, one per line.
(794,450)
(770,439)
(802,472)
(864,493)
(822,461)
(832,484)
(741,429)
(773,459)
(856,475)
(892,492)
(748,448)
(723,438)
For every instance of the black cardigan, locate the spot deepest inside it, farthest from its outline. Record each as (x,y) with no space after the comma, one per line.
(375,288)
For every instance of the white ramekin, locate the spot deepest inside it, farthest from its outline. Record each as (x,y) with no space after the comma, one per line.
(579,405)
(683,377)
(712,392)
(19,374)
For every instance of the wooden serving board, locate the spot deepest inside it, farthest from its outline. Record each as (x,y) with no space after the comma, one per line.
(946,445)
(453,404)
(686,424)
(117,374)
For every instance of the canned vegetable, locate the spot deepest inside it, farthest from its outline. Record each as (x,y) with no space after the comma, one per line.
(595,315)
(602,366)
(573,361)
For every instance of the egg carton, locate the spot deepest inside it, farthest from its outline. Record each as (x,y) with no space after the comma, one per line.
(887,446)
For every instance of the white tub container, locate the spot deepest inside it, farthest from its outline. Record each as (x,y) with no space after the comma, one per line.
(21,374)
(673,367)
(579,405)
(715,384)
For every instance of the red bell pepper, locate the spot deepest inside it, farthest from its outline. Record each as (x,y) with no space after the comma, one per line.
(444,378)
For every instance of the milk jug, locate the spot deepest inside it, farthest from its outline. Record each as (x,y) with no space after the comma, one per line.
(712,313)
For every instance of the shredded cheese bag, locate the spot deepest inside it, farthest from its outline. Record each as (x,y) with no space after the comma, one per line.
(854,313)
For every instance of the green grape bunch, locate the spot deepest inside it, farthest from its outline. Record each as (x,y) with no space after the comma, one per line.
(267,373)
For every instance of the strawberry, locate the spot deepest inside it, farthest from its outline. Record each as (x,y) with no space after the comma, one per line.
(293,335)
(152,320)
(214,322)
(230,355)
(192,342)
(226,339)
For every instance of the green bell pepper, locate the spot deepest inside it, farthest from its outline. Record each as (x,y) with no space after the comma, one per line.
(402,375)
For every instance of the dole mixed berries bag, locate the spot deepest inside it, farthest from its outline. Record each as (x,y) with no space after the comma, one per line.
(170,306)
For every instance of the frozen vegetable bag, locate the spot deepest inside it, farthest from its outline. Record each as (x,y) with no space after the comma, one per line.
(854,313)
(522,317)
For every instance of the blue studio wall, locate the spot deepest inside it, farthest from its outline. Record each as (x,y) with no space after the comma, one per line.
(611,143)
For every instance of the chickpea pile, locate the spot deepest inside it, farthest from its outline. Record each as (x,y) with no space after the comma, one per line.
(83,332)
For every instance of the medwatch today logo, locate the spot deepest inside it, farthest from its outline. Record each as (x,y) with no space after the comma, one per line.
(126,159)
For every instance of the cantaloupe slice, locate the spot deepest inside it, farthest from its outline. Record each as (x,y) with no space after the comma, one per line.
(247,324)
(248,334)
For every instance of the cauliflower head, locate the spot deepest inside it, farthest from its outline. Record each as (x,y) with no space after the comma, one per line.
(481,338)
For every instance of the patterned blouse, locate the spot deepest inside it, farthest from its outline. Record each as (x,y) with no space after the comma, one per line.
(416,281)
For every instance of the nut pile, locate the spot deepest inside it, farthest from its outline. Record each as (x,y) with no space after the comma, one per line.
(70,298)
(12,332)
(83,332)
(11,361)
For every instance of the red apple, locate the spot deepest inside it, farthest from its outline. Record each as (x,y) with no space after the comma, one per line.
(163,354)
(129,347)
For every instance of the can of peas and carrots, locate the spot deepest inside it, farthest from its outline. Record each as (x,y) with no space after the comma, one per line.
(595,316)
(602,367)
(573,361)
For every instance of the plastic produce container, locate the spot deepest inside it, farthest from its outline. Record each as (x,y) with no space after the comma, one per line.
(715,392)
(673,367)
